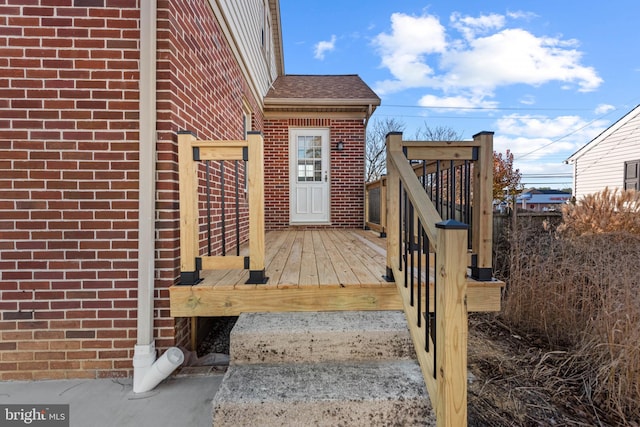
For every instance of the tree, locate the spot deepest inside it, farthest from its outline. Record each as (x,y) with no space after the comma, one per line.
(376,138)
(506,179)
(375,155)
(438,133)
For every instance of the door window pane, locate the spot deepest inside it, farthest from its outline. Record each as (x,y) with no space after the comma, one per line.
(309,150)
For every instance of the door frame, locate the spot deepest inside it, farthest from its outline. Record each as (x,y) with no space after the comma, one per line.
(325,134)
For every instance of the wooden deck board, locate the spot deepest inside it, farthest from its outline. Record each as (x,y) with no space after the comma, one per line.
(308,268)
(278,245)
(357,258)
(340,265)
(326,273)
(293,263)
(374,261)
(311,270)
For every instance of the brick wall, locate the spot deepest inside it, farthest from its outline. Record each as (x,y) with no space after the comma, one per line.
(200,89)
(347,171)
(68,174)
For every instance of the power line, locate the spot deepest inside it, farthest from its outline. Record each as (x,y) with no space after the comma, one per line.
(559,175)
(435,117)
(437,107)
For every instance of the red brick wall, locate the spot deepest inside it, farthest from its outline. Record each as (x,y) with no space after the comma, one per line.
(347,171)
(69,174)
(200,89)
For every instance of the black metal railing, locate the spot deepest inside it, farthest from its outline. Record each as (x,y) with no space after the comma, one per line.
(227,219)
(430,192)
(415,260)
(448,185)
(217,213)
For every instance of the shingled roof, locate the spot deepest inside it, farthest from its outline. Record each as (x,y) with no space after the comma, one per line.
(321,93)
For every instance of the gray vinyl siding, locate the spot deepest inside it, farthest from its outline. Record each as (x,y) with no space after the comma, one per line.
(245,21)
(602,165)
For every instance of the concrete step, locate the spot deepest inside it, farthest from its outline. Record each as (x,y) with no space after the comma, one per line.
(380,393)
(320,337)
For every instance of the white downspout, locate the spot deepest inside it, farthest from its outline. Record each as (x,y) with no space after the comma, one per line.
(147,372)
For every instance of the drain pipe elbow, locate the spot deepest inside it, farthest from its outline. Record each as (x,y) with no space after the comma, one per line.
(149,372)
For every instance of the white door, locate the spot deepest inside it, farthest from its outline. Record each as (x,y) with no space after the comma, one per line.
(309,172)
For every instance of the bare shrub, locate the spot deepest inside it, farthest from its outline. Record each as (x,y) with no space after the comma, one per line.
(578,291)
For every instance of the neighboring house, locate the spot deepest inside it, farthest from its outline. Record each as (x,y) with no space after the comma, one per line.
(89,116)
(542,200)
(612,159)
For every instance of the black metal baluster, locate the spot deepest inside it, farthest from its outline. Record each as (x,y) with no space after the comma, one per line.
(406,240)
(400,195)
(460,170)
(435,310)
(438,207)
(468,211)
(427,292)
(222,203)
(411,251)
(237,209)
(452,201)
(208,189)
(419,296)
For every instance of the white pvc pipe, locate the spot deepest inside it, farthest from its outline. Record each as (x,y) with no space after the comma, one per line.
(147,372)
(147,163)
(158,371)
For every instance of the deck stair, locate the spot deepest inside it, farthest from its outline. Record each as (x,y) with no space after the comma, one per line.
(322,369)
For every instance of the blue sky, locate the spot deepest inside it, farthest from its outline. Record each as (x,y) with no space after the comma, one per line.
(545,76)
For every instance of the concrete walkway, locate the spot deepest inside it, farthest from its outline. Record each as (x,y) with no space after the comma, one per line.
(178,401)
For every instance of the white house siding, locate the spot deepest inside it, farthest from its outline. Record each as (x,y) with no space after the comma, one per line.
(246,20)
(602,163)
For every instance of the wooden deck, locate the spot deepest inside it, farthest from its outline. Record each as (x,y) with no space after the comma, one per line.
(311,270)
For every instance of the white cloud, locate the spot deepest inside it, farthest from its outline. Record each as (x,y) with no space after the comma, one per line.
(470,26)
(535,137)
(604,109)
(532,148)
(528,100)
(419,53)
(324,46)
(543,126)
(404,51)
(459,101)
(515,56)
(519,14)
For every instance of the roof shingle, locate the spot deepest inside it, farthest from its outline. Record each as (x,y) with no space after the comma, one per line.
(336,87)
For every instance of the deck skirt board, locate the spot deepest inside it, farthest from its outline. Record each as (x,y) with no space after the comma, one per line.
(311,270)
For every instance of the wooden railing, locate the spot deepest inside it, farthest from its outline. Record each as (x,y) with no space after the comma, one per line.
(428,256)
(457,177)
(376,205)
(191,156)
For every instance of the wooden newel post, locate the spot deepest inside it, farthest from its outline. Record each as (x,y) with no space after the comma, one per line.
(188,193)
(255,174)
(451,324)
(394,143)
(482,215)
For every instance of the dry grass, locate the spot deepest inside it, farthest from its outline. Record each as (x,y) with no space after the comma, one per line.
(578,290)
(604,212)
